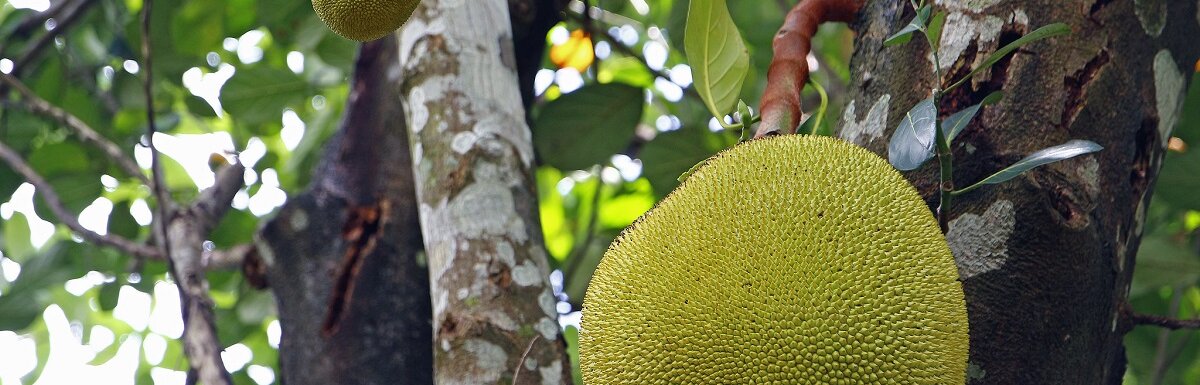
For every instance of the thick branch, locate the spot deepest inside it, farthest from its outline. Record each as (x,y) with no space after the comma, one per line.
(85,132)
(48,194)
(781,111)
(182,237)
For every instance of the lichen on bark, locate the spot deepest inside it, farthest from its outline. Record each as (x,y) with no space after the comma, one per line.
(472,159)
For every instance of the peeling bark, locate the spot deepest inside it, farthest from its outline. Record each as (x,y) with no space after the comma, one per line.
(473,161)
(1044,301)
(342,256)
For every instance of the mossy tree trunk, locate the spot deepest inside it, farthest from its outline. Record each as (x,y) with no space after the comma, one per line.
(494,314)
(1046,259)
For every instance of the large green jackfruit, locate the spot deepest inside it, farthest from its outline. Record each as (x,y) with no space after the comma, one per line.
(788,260)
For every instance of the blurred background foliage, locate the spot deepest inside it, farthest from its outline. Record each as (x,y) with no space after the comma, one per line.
(615,124)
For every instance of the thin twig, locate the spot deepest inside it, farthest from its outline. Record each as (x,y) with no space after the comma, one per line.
(89,135)
(52,200)
(32,22)
(517,371)
(1165,322)
(1164,336)
(788,72)
(34,49)
(628,51)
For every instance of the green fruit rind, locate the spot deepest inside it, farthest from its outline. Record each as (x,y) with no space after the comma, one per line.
(787,260)
(364,20)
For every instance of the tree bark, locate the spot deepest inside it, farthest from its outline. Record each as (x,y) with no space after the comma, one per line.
(1046,259)
(493,310)
(342,257)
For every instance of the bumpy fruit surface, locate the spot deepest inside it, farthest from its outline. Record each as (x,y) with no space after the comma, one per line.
(788,260)
(364,20)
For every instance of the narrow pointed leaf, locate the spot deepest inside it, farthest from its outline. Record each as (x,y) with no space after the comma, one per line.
(934,32)
(1044,156)
(717,54)
(956,123)
(1050,30)
(905,34)
(912,143)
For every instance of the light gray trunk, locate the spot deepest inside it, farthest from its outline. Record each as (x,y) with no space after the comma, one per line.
(493,310)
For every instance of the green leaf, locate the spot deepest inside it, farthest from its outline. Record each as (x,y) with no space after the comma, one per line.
(1162,262)
(905,34)
(934,33)
(588,126)
(1044,156)
(109,293)
(956,123)
(672,153)
(626,70)
(1051,30)
(717,54)
(58,159)
(912,143)
(17,244)
(25,299)
(199,107)
(257,95)
(1179,179)
(571,336)
(121,222)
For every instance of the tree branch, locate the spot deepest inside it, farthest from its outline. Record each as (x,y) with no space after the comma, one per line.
(48,194)
(788,72)
(181,235)
(1164,322)
(40,106)
(32,50)
(33,21)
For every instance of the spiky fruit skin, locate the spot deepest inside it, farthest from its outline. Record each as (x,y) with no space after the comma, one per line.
(788,260)
(364,20)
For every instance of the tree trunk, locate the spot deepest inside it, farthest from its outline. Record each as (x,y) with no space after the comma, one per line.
(341,257)
(493,310)
(1046,259)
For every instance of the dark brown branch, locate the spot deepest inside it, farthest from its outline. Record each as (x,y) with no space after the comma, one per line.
(1164,322)
(49,196)
(788,73)
(40,106)
(33,22)
(73,14)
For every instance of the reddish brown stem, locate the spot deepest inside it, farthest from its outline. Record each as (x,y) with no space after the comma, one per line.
(789,69)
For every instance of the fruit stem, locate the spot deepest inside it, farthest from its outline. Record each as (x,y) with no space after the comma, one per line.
(946,176)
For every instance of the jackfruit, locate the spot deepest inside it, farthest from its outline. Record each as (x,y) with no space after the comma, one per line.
(364,20)
(785,260)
